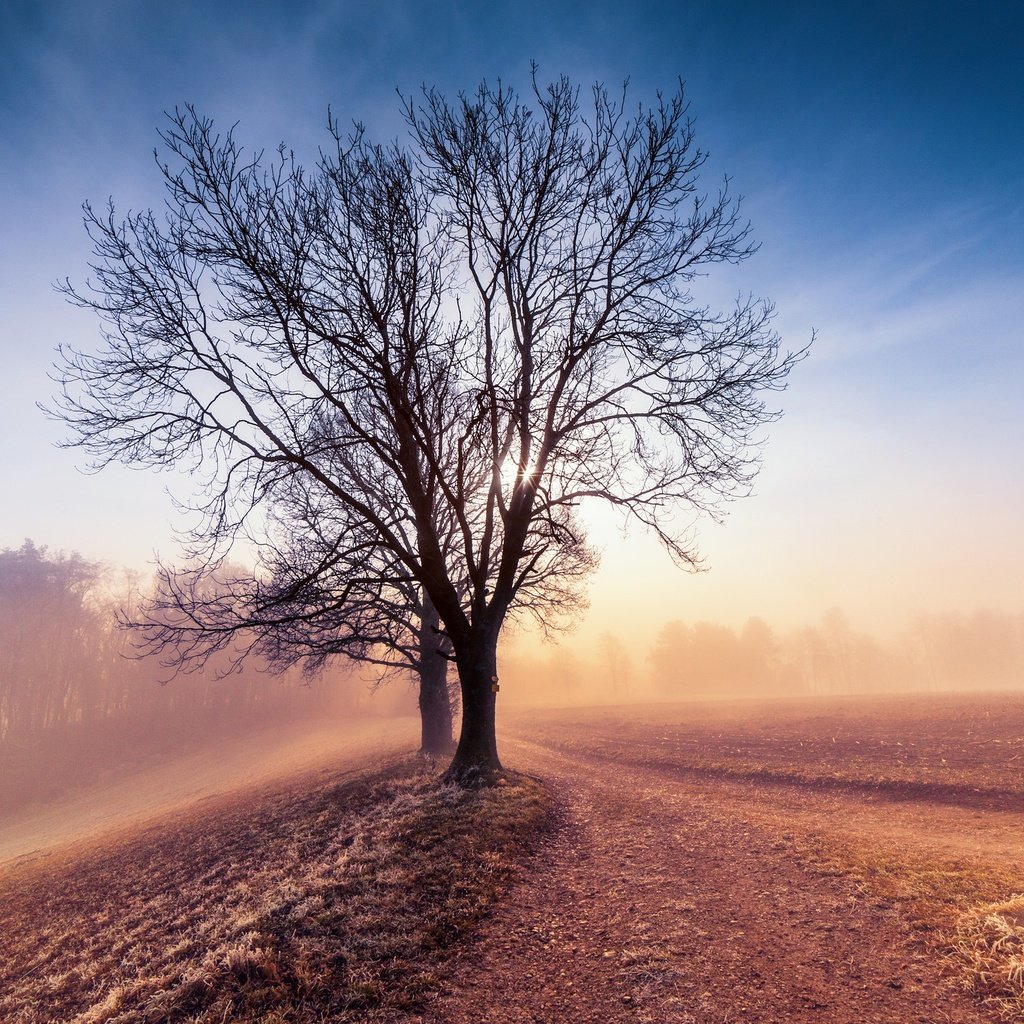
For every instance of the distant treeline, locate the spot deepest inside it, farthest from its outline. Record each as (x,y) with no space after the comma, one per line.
(66,666)
(979,651)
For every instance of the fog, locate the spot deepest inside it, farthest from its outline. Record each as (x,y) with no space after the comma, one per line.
(93,736)
(981,650)
(121,790)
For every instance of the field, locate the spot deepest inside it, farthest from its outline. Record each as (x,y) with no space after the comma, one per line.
(863,849)
(850,860)
(968,752)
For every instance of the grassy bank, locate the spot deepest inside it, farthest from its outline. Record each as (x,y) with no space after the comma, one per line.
(326,899)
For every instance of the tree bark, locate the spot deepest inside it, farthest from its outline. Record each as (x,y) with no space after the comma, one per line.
(435,702)
(476,761)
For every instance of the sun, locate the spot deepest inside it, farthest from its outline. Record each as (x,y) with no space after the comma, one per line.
(511,473)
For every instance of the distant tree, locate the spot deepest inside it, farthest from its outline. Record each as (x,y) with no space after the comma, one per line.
(709,659)
(667,668)
(48,636)
(759,657)
(565,671)
(616,661)
(482,328)
(982,650)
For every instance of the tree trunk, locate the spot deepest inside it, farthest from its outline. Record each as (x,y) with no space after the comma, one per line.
(435,703)
(476,760)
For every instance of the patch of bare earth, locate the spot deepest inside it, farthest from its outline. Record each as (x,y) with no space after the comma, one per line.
(660,901)
(915,801)
(703,870)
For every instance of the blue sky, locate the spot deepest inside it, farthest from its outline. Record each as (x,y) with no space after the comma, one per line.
(879,148)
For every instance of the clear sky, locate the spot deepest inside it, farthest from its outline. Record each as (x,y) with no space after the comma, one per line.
(880,150)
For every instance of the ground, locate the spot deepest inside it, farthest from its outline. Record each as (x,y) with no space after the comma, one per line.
(668,901)
(134,795)
(787,861)
(761,863)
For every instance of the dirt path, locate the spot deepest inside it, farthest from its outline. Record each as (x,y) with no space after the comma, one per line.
(665,900)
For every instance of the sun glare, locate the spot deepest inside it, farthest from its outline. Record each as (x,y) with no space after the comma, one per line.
(512,473)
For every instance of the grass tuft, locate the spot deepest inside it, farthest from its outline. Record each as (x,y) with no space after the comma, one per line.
(988,949)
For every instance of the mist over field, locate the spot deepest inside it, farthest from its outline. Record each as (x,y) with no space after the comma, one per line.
(513,515)
(967,652)
(81,701)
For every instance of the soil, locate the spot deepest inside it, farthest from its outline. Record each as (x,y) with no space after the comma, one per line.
(685,900)
(715,867)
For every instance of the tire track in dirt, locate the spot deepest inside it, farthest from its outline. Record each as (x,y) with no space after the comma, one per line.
(659,900)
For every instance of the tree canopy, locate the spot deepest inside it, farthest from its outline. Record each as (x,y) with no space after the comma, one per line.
(446,343)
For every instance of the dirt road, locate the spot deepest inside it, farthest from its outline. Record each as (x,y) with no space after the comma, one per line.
(671,900)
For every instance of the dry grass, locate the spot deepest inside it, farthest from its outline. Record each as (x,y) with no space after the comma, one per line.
(956,908)
(649,970)
(328,902)
(988,948)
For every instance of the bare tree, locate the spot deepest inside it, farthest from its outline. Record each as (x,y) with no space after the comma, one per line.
(316,598)
(617,662)
(455,342)
(305,615)
(323,589)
